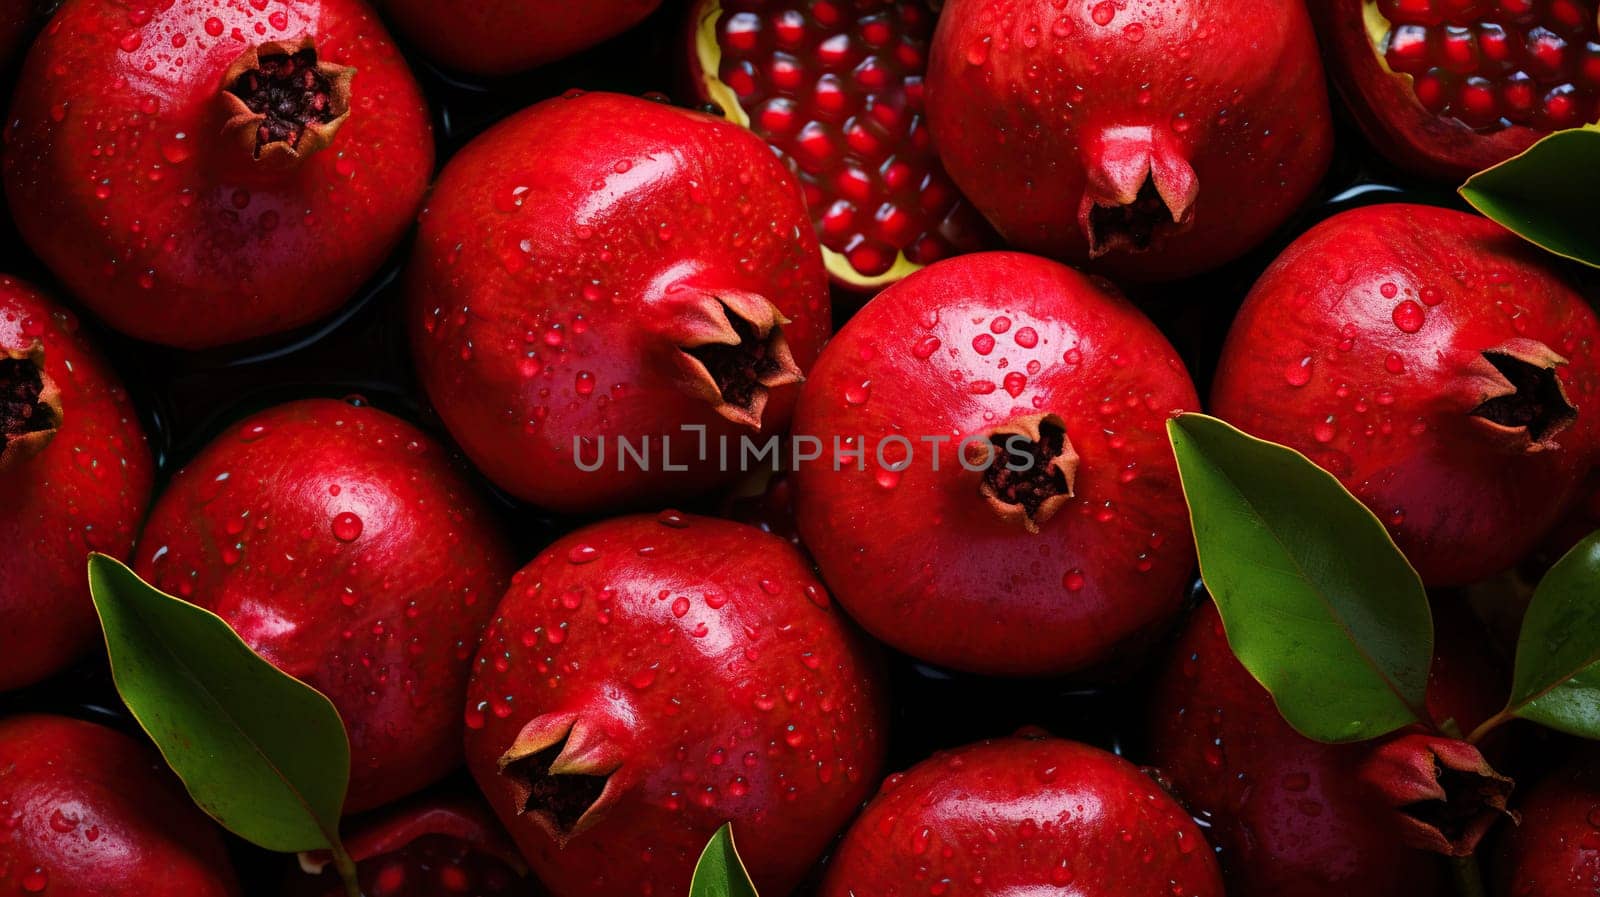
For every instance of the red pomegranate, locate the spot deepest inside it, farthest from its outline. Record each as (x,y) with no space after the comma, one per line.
(432,847)
(75,477)
(650,678)
(1015,509)
(343,546)
(499,37)
(89,812)
(1290,815)
(1159,139)
(1018,816)
(1445,88)
(1552,853)
(1434,363)
(597,273)
(201,172)
(836,88)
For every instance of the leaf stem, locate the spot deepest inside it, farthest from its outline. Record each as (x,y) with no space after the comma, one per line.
(346,867)
(1489,725)
(1469,880)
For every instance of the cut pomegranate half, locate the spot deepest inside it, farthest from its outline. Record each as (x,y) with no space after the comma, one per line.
(836,87)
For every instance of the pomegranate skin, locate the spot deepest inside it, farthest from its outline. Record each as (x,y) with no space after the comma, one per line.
(1158,140)
(1364,347)
(924,558)
(500,37)
(344,547)
(85,489)
(1290,815)
(134,174)
(649,678)
(1385,104)
(1551,854)
(89,811)
(570,263)
(1023,816)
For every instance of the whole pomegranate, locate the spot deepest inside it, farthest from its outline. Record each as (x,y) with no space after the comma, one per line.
(499,37)
(1023,815)
(1552,853)
(424,848)
(1445,88)
(600,274)
(650,678)
(201,172)
(836,87)
(1436,364)
(75,477)
(90,812)
(992,488)
(1291,815)
(345,548)
(1160,139)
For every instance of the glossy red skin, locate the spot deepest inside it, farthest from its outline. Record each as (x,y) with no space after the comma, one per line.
(437,845)
(1553,853)
(89,812)
(499,37)
(925,564)
(519,360)
(1461,506)
(1016,107)
(1290,815)
(1386,107)
(1019,816)
(768,711)
(214,247)
(253,529)
(87,490)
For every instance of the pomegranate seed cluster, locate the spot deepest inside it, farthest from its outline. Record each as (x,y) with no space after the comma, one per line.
(1497,63)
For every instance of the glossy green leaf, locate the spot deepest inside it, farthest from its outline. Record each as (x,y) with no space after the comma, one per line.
(1319,604)
(720,872)
(1548,195)
(1557,678)
(263,753)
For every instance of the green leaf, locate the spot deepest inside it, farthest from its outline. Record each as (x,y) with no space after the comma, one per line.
(263,753)
(1547,195)
(720,872)
(1557,678)
(1318,603)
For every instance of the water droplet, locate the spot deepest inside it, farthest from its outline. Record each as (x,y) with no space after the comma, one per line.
(347,527)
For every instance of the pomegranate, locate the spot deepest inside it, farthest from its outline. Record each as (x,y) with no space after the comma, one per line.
(836,88)
(201,172)
(499,37)
(1013,507)
(424,848)
(343,546)
(650,678)
(1552,853)
(75,477)
(1445,88)
(597,273)
(1292,816)
(1018,816)
(1158,139)
(90,812)
(1436,365)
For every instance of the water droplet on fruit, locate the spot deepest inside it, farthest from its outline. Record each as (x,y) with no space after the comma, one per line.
(347,527)
(1409,316)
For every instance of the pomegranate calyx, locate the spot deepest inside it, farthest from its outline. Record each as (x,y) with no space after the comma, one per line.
(732,353)
(561,771)
(1520,398)
(1141,190)
(30,405)
(283,103)
(455,819)
(1030,469)
(1444,794)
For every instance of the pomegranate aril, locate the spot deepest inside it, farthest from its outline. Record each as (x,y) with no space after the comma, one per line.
(894,226)
(830,98)
(870,75)
(779,117)
(1546,52)
(1477,103)
(1589,68)
(839,220)
(786,72)
(790,29)
(814,148)
(876,30)
(1516,8)
(1518,95)
(742,31)
(835,53)
(1432,89)
(1421,12)
(1408,49)
(871,258)
(854,184)
(1570,16)
(1561,107)
(897,175)
(1458,51)
(1494,44)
